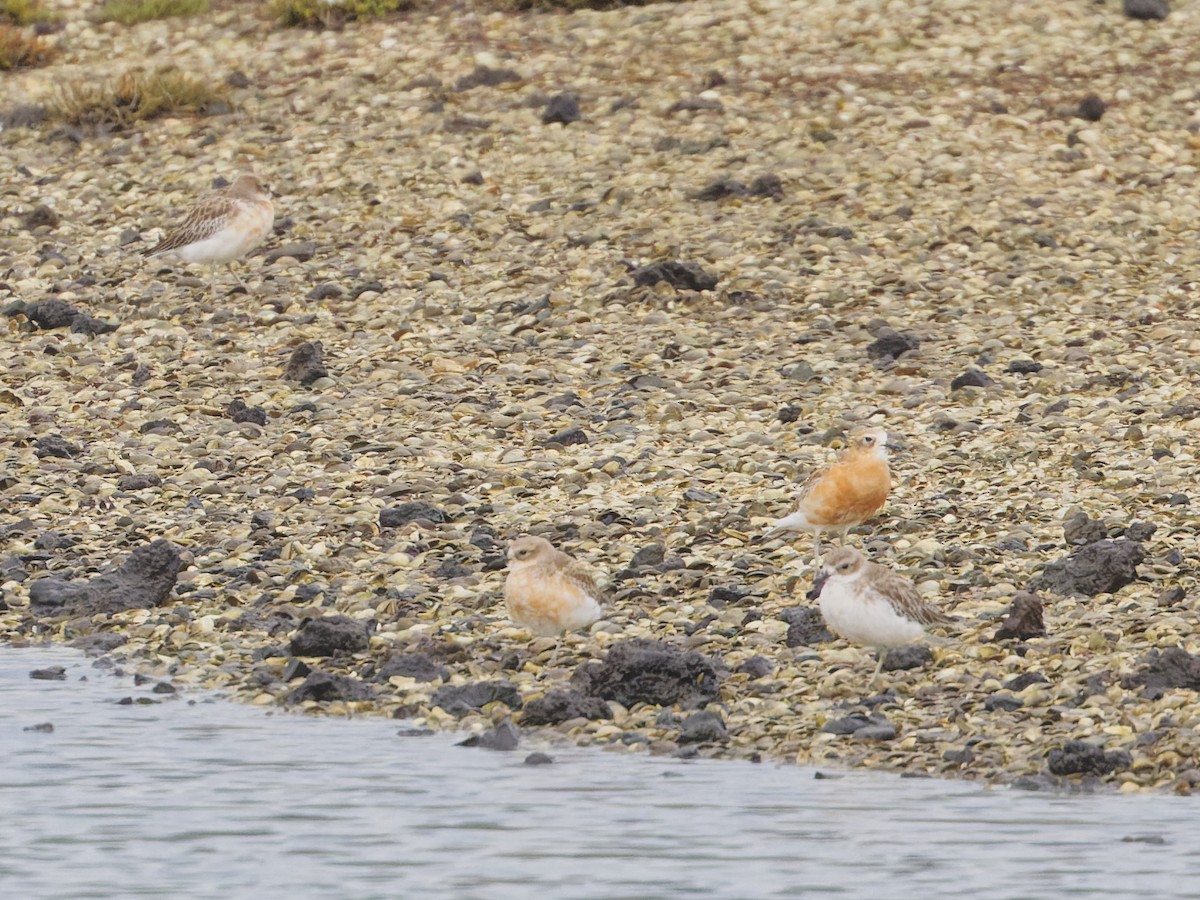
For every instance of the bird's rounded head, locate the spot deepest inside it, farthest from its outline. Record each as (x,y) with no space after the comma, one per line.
(528,549)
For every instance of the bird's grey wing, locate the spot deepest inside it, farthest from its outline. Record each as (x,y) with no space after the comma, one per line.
(204,220)
(903,594)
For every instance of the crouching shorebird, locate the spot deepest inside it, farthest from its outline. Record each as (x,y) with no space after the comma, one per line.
(870,604)
(548,591)
(223,226)
(843,495)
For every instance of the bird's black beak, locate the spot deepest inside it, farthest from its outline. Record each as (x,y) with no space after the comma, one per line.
(818,583)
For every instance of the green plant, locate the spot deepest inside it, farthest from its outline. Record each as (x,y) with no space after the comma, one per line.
(323,14)
(130,12)
(19,50)
(134,97)
(23,12)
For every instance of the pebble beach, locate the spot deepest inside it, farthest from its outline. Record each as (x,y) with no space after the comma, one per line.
(621,279)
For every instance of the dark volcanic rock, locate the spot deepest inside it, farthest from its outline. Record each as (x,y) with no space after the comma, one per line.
(144,580)
(1003,701)
(503,737)
(50,673)
(645,671)
(538,759)
(767,185)
(413,511)
(680,275)
(1081,758)
(874,727)
(1024,618)
(306,364)
(420,666)
(301,250)
(240,412)
(1091,108)
(806,626)
(41,215)
(722,187)
(568,436)
(648,557)
(51,312)
(1146,9)
(330,636)
(889,344)
(560,705)
(138,482)
(756,667)
(971,378)
(99,643)
(562,108)
(54,445)
(484,76)
(912,657)
(323,686)
(460,699)
(1080,529)
(1165,670)
(1096,568)
(705,727)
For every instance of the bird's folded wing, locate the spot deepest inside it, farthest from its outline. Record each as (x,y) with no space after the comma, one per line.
(205,220)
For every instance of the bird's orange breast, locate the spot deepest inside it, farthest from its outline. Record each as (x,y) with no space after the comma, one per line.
(849,493)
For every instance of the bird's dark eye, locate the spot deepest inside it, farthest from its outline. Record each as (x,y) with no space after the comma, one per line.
(868,440)
(844,566)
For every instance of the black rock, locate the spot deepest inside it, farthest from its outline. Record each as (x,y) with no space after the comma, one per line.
(138,482)
(52,540)
(1165,670)
(41,727)
(971,378)
(1091,108)
(721,188)
(163,687)
(1024,618)
(484,76)
(1081,758)
(562,108)
(568,436)
(1020,682)
(420,666)
(880,731)
(306,364)
(300,250)
(1140,531)
(240,412)
(1002,701)
(99,643)
(538,759)
(412,511)
(789,414)
(889,344)
(1080,529)
(680,275)
(503,737)
(646,671)
(54,445)
(650,556)
(705,727)
(85,324)
(727,595)
(806,626)
(322,686)
(50,673)
(1096,568)
(295,668)
(51,312)
(756,667)
(330,636)
(146,579)
(560,705)
(460,699)
(327,290)
(1024,367)
(911,657)
(767,185)
(1146,9)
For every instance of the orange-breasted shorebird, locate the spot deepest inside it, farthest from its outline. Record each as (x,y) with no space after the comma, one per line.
(548,591)
(223,226)
(870,604)
(845,494)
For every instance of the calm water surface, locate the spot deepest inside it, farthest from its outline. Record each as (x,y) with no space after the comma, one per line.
(210,799)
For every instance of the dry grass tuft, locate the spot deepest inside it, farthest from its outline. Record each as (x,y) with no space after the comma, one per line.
(19,50)
(130,12)
(134,97)
(24,12)
(320,14)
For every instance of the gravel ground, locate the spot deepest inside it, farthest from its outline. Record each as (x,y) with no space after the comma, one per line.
(899,215)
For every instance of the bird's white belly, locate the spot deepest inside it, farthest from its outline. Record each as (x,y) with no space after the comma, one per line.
(235,240)
(866,620)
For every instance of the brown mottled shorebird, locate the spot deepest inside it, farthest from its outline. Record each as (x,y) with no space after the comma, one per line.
(870,604)
(548,591)
(845,494)
(223,226)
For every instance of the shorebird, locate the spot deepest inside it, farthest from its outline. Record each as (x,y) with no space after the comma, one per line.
(548,591)
(223,226)
(870,604)
(845,494)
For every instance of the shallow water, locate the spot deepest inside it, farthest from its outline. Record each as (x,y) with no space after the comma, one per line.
(211,799)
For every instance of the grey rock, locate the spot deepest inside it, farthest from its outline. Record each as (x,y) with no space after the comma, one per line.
(461,699)
(645,671)
(330,636)
(806,627)
(703,728)
(1097,568)
(677,273)
(1146,9)
(324,687)
(144,580)
(562,704)
(306,364)
(1024,618)
(1081,758)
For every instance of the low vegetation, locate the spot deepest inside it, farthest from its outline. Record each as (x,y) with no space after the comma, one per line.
(24,12)
(322,14)
(134,97)
(19,50)
(130,12)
